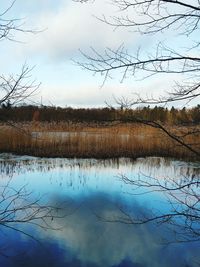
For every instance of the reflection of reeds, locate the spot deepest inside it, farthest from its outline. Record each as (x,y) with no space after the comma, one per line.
(105,141)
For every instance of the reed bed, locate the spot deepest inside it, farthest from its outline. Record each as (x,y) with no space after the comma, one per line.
(90,141)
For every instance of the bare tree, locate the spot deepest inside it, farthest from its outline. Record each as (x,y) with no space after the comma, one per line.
(15,89)
(10,26)
(18,206)
(155,17)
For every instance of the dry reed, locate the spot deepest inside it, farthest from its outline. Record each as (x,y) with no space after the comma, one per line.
(97,141)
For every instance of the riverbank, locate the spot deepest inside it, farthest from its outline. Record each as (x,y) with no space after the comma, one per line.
(93,140)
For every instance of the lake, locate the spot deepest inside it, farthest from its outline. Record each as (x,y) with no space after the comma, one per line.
(82,212)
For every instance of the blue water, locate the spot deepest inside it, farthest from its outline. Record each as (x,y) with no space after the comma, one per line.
(92,207)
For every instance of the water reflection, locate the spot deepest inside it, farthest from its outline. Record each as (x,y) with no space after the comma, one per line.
(90,191)
(11,165)
(87,241)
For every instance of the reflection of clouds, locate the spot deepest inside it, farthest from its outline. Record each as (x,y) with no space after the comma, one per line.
(109,244)
(86,241)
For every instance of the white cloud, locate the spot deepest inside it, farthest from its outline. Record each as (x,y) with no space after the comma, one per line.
(82,95)
(72,27)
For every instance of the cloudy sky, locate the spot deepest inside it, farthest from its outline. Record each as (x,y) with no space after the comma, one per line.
(64,27)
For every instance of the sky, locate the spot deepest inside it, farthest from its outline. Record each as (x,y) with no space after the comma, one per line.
(63,28)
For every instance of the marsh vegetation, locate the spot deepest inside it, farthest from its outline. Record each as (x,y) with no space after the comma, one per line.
(93,140)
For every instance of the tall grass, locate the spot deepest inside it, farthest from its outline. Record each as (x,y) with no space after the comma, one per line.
(98,141)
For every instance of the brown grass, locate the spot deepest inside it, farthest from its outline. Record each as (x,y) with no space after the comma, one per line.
(98,141)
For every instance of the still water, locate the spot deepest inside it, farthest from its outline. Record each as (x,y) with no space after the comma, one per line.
(88,221)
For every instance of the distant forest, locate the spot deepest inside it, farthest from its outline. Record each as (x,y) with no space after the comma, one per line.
(49,114)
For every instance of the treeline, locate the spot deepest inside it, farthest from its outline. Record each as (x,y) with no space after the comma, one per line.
(49,114)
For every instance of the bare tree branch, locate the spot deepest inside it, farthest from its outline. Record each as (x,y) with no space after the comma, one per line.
(10,26)
(157,17)
(153,16)
(19,207)
(16,88)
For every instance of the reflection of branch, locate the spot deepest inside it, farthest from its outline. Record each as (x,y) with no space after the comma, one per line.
(183,224)
(157,186)
(18,209)
(183,201)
